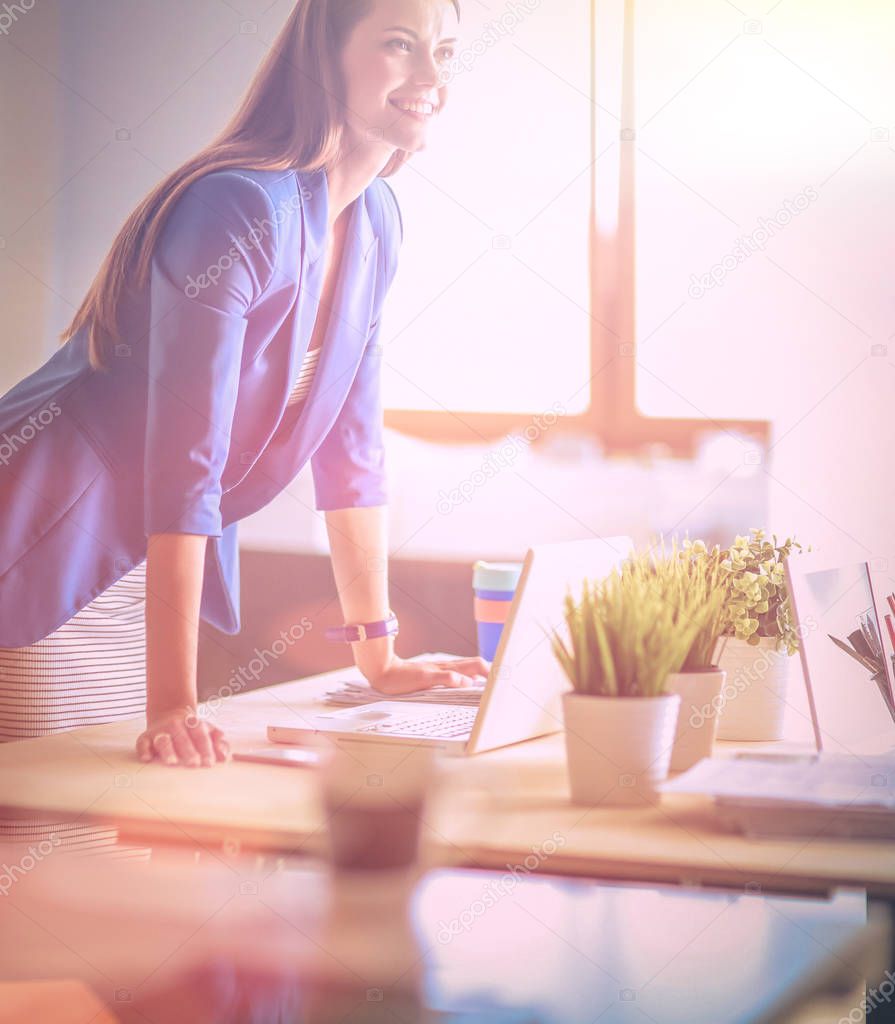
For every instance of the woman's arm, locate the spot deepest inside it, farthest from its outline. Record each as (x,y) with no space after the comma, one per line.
(174,733)
(193,367)
(358,539)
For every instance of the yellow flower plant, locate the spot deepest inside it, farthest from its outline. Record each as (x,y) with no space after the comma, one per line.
(759,603)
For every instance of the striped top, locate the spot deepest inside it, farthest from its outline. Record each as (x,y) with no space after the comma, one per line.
(305,377)
(90,670)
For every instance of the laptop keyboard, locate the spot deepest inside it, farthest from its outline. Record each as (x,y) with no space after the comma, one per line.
(442,725)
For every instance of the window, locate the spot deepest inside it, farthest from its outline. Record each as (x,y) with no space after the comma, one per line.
(757,182)
(518,279)
(488,320)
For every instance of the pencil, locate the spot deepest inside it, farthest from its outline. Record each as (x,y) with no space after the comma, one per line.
(866,662)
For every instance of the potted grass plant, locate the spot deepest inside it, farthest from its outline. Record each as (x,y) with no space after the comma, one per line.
(624,640)
(760,638)
(692,577)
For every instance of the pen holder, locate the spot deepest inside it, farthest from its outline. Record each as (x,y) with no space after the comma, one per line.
(494,584)
(882,684)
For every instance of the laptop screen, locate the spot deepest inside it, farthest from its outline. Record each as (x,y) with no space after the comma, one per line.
(846,657)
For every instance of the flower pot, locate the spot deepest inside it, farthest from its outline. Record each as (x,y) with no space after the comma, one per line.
(618,748)
(697,721)
(753,699)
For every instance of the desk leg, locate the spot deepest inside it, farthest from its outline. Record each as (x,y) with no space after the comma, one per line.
(882,1009)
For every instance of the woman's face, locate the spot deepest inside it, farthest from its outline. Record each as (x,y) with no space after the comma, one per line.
(392,59)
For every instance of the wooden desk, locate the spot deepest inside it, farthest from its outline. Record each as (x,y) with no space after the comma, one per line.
(497,809)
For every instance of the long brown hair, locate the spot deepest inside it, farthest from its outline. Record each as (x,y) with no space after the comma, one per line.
(289,119)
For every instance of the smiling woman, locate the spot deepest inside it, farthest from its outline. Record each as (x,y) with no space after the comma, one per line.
(182,410)
(411,76)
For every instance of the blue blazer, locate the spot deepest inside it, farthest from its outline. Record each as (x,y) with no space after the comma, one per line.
(188,431)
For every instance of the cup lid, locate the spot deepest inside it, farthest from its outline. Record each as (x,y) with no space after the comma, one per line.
(496,575)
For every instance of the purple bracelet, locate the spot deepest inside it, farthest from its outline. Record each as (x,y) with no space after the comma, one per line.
(352,632)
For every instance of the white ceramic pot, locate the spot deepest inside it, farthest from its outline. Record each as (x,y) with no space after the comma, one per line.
(618,748)
(753,698)
(697,720)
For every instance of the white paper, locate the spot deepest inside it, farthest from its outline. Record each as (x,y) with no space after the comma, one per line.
(828,780)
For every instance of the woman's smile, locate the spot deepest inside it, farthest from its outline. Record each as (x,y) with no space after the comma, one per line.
(420,110)
(395,60)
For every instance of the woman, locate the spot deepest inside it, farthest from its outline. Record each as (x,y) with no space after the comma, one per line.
(189,391)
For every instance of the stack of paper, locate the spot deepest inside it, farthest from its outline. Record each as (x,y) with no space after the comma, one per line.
(352,692)
(829,780)
(836,794)
(363,693)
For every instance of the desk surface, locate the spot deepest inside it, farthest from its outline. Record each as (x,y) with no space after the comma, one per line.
(497,809)
(206,941)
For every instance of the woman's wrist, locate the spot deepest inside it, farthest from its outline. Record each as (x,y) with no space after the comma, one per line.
(164,700)
(374,656)
(157,711)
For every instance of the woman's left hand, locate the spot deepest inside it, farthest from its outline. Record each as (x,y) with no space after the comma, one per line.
(403,676)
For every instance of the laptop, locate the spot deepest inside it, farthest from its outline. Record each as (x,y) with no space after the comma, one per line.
(521,698)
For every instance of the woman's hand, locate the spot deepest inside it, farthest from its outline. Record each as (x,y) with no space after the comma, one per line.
(180,736)
(402,676)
